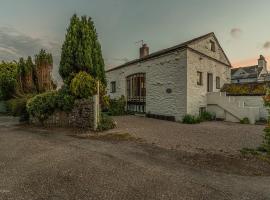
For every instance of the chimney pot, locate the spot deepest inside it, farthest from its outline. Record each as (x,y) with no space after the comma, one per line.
(144,51)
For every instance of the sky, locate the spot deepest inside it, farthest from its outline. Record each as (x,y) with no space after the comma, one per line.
(242,26)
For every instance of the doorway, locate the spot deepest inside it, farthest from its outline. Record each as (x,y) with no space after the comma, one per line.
(210,82)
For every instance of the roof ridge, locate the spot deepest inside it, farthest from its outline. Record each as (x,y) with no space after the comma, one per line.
(163,51)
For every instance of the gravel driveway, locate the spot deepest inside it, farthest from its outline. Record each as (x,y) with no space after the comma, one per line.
(214,137)
(41,164)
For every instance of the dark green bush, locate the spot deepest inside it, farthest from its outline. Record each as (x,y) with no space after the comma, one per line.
(64,99)
(207,116)
(190,119)
(17,108)
(42,106)
(245,121)
(106,123)
(117,107)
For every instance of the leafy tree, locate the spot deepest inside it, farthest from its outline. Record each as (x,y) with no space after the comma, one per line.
(43,58)
(8,80)
(81,51)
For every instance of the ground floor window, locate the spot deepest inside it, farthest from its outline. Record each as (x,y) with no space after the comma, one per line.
(218,82)
(113,87)
(136,93)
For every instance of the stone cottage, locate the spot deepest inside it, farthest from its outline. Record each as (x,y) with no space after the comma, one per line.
(251,74)
(172,82)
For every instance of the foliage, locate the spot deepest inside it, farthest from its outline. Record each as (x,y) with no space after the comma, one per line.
(83,86)
(117,106)
(42,106)
(106,123)
(207,116)
(245,121)
(64,99)
(43,58)
(266,142)
(17,108)
(190,119)
(245,89)
(81,51)
(8,80)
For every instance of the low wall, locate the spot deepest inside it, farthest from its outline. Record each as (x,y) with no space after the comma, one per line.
(82,116)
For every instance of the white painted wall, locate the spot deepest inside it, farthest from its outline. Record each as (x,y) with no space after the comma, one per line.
(197,94)
(162,73)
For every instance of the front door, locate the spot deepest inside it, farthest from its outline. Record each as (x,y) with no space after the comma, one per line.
(210,82)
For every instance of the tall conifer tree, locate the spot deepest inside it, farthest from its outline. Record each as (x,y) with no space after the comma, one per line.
(81,51)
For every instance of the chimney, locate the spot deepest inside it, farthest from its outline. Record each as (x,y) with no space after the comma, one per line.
(144,51)
(262,62)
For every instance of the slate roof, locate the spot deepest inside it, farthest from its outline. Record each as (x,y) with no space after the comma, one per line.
(164,51)
(251,72)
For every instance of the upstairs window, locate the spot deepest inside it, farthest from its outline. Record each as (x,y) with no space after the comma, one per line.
(218,82)
(113,87)
(199,78)
(213,46)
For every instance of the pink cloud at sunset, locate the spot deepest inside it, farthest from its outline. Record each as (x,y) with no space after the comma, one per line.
(248,62)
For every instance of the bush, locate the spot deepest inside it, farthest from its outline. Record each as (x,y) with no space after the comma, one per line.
(266,142)
(17,108)
(190,119)
(42,106)
(64,99)
(207,116)
(106,123)
(117,107)
(83,86)
(245,121)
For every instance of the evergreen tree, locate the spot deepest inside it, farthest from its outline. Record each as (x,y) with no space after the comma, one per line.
(81,51)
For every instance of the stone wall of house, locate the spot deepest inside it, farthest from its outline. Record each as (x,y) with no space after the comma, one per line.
(197,94)
(165,72)
(82,116)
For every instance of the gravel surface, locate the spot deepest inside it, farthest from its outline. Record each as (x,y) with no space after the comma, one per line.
(40,164)
(213,137)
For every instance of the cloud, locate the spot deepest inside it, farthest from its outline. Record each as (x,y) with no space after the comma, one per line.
(14,44)
(266,45)
(236,33)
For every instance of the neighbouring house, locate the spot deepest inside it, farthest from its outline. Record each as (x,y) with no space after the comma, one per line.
(172,82)
(251,74)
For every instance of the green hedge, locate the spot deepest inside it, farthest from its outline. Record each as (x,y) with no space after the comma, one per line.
(117,107)
(44,105)
(245,89)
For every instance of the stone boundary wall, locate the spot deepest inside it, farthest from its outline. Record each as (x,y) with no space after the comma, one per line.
(82,116)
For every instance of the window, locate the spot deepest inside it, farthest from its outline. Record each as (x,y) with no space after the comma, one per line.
(199,78)
(218,82)
(213,46)
(113,87)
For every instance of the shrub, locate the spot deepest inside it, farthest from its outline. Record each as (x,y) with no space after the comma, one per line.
(64,99)
(117,107)
(83,86)
(207,116)
(190,119)
(17,108)
(266,142)
(42,106)
(106,123)
(245,121)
